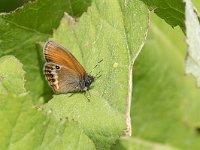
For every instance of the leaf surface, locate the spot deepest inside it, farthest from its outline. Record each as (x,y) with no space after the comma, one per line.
(165,106)
(115,32)
(23,126)
(165,113)
(172,11)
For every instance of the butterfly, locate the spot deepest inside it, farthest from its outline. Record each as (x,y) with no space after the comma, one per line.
(63,71)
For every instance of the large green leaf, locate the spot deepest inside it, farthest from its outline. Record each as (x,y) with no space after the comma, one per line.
(160,115)
(114,32)
(164,100)
(32,23)
(24,127)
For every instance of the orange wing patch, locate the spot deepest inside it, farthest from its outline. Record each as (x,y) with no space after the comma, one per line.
(56,54)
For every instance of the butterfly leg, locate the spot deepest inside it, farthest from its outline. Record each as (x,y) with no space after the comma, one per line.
(71,94)
(87,95)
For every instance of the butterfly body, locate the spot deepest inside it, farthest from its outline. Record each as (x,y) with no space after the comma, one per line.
(63,72)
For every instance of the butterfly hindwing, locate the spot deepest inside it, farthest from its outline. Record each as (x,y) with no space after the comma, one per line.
(61,78)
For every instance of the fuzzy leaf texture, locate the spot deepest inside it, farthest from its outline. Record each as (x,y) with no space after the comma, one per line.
(23,126)
(115,32)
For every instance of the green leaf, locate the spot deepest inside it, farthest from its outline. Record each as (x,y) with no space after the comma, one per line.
(28,25)
(193,41)
(9,70)
(24,127)
(162,96)
(44,15)
(171,11)
(114,32)
(165,113)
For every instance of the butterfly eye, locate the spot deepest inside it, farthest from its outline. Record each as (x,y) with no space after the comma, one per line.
(57,67)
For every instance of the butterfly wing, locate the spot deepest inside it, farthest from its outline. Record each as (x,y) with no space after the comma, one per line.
(61,78)
(57,54)
(62,70)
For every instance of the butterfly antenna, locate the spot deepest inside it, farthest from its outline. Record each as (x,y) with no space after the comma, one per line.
(98,75)
(71,94)
(96,65)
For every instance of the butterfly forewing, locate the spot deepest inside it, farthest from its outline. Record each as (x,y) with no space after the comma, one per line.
(61,69)
(57,54)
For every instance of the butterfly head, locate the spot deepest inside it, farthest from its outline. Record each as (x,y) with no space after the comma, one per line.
(88,80)
(85,83)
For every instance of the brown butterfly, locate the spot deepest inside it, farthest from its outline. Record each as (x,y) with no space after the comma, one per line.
(63,71)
